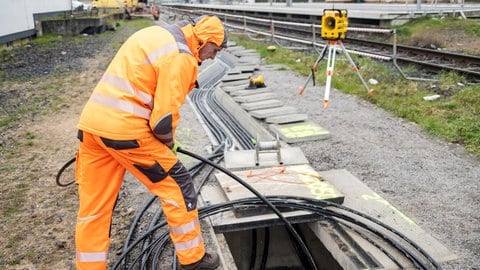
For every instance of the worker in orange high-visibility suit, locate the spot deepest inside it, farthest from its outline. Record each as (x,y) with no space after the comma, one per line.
(129,124)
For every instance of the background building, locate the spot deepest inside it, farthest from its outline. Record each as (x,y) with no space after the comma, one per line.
(19,18)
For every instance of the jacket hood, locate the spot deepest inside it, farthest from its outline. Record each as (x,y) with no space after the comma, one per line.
(210,29)
(203,29)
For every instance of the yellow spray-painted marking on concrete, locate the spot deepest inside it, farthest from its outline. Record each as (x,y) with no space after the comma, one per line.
(375,197)
(302,130)
(321,190)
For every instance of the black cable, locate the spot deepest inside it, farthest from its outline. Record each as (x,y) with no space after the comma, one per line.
(60,172)
(294,203)
(289,226)
(295,244)
(321,207)
(135,221)
(370,240)
(266,247)
(253,248)
(389,228)
(153,221)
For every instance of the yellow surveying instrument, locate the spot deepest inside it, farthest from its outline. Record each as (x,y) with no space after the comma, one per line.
(334,24)
(334,30)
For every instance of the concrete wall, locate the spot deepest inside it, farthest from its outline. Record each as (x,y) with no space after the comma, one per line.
(17,17)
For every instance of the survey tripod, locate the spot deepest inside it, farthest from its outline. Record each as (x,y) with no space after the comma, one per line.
(334,28)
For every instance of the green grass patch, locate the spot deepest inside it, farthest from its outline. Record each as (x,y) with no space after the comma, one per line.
(432,24)
(441,32)
(7,120)
(47,38)
(454,117)
(139,23)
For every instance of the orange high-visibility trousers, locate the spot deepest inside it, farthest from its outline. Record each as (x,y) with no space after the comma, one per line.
(100,168)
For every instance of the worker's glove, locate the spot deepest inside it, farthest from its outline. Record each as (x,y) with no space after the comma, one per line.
(175,146)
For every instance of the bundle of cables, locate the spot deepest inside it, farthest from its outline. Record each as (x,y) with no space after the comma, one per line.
(144,251)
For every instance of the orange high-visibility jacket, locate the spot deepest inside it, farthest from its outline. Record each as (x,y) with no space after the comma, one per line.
(148,80)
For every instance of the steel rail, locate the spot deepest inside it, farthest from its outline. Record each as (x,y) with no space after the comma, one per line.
(306,34)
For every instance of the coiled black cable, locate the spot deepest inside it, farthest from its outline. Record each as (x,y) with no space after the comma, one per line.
(293,203)
(288,225)
(60,172)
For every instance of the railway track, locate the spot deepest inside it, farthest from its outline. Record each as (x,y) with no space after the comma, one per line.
(434,60)
(307,34)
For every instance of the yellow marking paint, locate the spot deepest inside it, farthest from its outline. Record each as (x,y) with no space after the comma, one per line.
(375,197)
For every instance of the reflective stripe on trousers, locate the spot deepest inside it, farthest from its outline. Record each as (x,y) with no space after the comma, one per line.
(186,228)
(92,256)
(188,245)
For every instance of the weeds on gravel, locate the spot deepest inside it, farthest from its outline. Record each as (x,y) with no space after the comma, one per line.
(455,116)
(450,33)
(47,38)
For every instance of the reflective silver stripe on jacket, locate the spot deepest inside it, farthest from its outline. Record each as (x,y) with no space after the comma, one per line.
(125,86)
(121,105)
(186,228)
(91,256)
(195,242)
(179,38)
(159,52)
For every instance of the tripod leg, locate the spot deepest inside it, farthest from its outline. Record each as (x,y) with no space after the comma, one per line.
(355,68)
(314,69)
(330,65)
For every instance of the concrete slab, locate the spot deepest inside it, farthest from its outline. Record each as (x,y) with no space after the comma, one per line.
(287,119)
(233,89)
(360,197)
(236,77)
(292,180)
(235,83)
(246,120)
(231,49)
(241,64)
(299,132)
(245,52)
(249,59)
(211,74)
(352,252)
(245,159)
(249,68)
(225,222)
(254,98)
(227,58)
(246,92)
(265,113)
(264,104)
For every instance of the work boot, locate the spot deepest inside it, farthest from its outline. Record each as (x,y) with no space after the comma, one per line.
(209,261)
